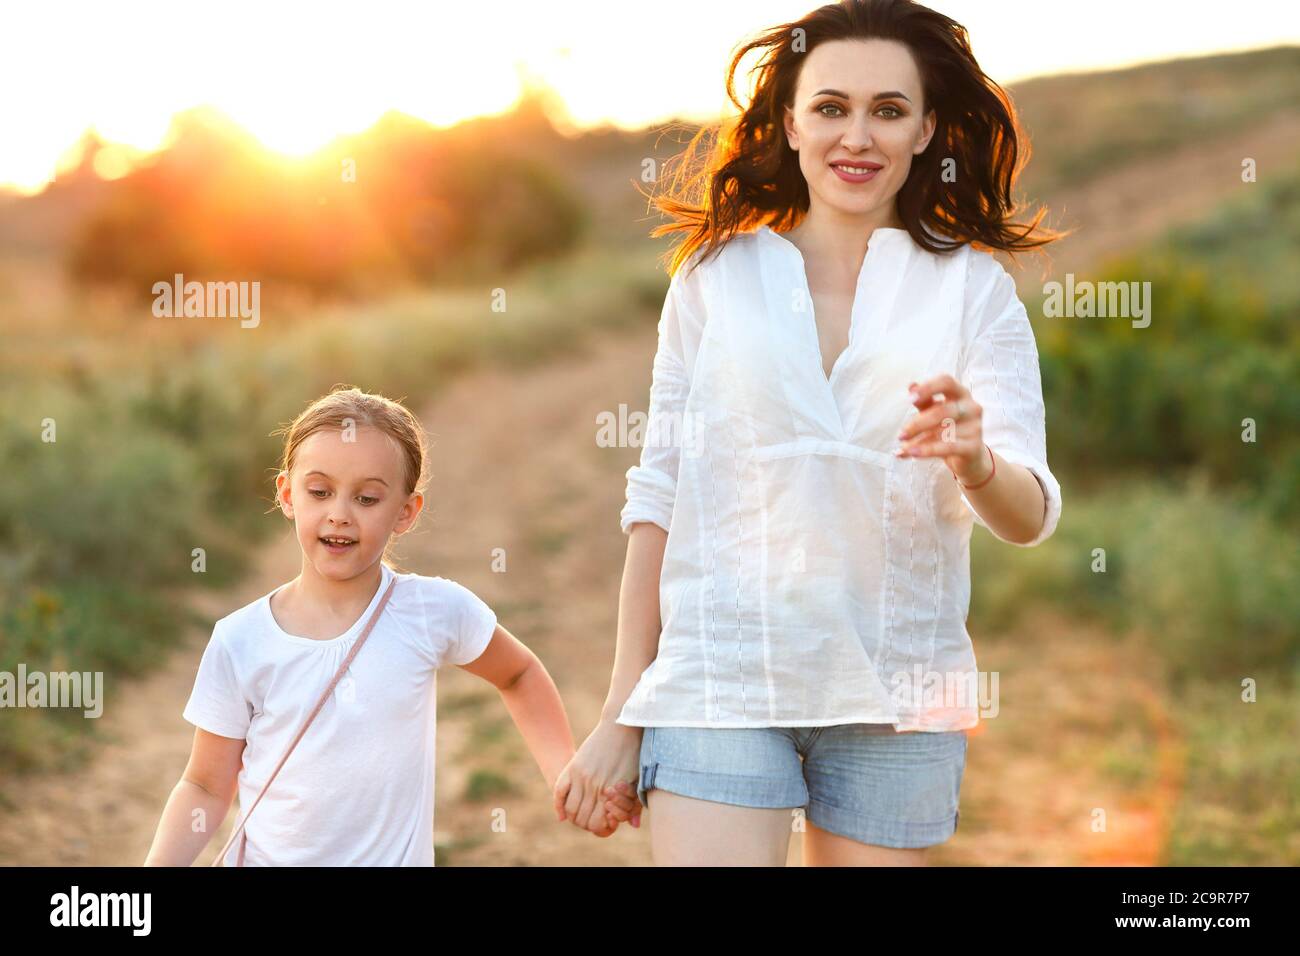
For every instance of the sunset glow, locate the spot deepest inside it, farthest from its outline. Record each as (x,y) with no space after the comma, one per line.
(296,75)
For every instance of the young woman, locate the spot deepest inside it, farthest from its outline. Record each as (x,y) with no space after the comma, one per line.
(848,384)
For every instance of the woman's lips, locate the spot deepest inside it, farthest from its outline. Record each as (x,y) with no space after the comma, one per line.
(855,177)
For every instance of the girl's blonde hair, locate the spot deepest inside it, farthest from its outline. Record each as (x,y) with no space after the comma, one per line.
(347,405)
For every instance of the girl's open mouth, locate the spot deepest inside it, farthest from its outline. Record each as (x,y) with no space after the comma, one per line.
(337,545)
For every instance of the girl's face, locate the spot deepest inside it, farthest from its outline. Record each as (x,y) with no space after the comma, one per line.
(858,103)
(347,484)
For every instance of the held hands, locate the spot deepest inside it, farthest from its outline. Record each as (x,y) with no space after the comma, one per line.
(592,790)
(950,427)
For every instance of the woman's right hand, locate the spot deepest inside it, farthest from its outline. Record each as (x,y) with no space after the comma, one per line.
(609,754)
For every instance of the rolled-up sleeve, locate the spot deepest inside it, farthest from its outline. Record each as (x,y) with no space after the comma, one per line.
(1002,372)
(652,484)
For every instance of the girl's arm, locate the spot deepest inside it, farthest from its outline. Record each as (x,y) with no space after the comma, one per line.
(199,802)
(531,697)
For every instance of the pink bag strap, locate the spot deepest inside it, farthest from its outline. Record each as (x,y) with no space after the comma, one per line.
(356,646)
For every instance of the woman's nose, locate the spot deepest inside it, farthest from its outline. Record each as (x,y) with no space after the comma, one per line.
(858,136)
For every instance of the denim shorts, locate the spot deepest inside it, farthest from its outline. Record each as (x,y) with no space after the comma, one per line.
(866,782)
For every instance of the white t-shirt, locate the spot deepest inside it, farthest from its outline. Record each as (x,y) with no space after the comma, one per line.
(358,788)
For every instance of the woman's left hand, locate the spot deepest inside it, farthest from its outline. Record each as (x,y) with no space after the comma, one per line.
(951,428)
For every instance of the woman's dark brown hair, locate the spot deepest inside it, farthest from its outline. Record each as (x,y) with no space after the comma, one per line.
(754,176)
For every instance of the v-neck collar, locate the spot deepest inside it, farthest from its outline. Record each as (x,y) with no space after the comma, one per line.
(882,235)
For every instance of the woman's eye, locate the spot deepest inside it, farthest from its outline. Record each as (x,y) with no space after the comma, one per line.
(366,499)
(894,111)
(316,491)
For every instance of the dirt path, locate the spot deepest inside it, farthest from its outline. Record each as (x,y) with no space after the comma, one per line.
(516,467)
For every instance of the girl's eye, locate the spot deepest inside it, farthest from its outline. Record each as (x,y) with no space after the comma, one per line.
(319,492)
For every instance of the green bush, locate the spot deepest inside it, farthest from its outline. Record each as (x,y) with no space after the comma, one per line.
(1203,575)
(1222,348)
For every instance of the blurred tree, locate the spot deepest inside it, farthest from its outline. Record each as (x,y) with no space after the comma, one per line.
(400,202)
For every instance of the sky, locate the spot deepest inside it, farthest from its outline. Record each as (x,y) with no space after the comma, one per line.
(297,74)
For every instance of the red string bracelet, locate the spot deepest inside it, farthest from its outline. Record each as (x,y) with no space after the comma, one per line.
(994,462)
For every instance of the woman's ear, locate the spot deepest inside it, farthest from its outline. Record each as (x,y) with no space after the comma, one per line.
(787,120)
(928,125)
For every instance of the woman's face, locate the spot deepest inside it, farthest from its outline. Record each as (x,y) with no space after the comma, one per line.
(858,103)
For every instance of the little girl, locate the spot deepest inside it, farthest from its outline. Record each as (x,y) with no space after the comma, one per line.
(357,789)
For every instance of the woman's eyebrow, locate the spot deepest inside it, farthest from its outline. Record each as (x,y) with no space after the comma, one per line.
(317,471)
(887,95)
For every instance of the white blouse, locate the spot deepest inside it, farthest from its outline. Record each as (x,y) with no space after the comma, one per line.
(810,577)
